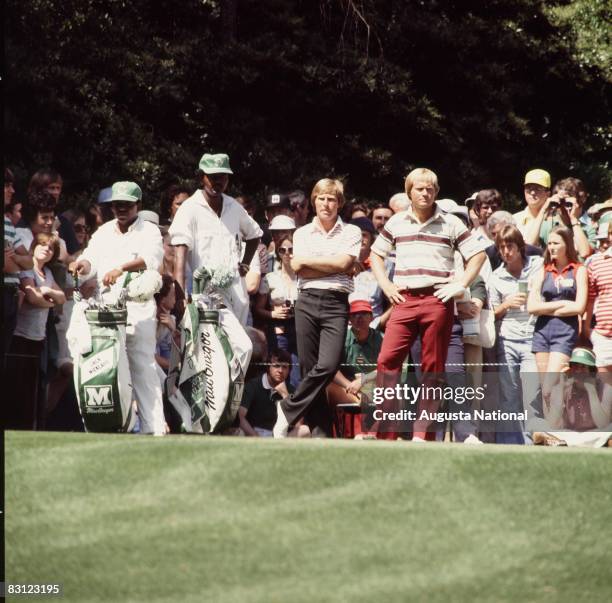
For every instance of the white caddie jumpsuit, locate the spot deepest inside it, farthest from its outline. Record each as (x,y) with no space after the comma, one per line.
(109,248)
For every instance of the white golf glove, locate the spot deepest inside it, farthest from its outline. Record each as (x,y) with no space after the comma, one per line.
(445,292)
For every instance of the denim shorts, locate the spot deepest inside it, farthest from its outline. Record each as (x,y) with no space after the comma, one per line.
(554,334)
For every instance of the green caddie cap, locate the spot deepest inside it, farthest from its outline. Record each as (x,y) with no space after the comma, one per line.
(215,164)
(126,191)
(583,356)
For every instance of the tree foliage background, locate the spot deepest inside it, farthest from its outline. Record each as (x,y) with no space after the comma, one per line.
(297,89)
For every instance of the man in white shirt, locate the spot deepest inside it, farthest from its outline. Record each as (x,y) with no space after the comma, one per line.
(208,230)
(323,253)
(124,245)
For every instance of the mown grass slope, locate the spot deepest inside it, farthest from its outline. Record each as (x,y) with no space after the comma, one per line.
(134,518)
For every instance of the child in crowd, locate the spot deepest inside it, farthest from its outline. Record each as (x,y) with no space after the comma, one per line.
(169,301)
(167,332)
(41,293)
(262,394)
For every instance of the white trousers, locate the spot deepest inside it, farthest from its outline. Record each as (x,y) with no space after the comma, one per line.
(140,343)
(237,299)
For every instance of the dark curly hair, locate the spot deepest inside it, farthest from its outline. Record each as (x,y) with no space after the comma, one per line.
(38,201)
(165,204)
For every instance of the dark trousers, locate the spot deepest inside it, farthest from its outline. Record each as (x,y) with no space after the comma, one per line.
(22,410)
(10,299)
(321,318)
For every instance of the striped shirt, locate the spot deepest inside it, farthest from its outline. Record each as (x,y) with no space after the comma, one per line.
(425,251)
(311,241)
(11,240)
(599,271)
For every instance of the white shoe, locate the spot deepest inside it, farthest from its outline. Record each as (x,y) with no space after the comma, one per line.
(281,427)
(472,439)
(418,440)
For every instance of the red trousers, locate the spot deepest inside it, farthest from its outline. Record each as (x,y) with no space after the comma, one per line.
(424,315)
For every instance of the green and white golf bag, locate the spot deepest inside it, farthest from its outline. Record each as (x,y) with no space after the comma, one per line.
(206,377)
(101,369)
(97,340)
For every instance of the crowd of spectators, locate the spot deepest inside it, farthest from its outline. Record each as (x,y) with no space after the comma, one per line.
(336,296)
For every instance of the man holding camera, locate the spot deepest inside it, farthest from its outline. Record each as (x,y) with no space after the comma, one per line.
(564,208)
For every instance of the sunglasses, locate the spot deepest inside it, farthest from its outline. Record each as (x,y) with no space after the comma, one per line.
(284,250)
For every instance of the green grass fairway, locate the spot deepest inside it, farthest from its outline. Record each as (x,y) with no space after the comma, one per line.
(129,518)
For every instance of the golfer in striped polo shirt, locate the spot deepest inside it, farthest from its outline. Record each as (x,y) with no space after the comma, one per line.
(323,253)
(423,288)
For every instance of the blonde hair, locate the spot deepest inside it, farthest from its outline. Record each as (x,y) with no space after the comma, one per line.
(329,186)
(420,174)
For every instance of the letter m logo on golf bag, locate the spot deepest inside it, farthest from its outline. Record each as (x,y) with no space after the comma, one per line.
(98,395)
(101,373)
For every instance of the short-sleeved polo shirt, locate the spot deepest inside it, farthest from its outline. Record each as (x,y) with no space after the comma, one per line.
(311,240)
(425,251)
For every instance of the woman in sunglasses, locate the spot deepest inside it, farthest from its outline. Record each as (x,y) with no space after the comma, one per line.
(275,303)
(81,231)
